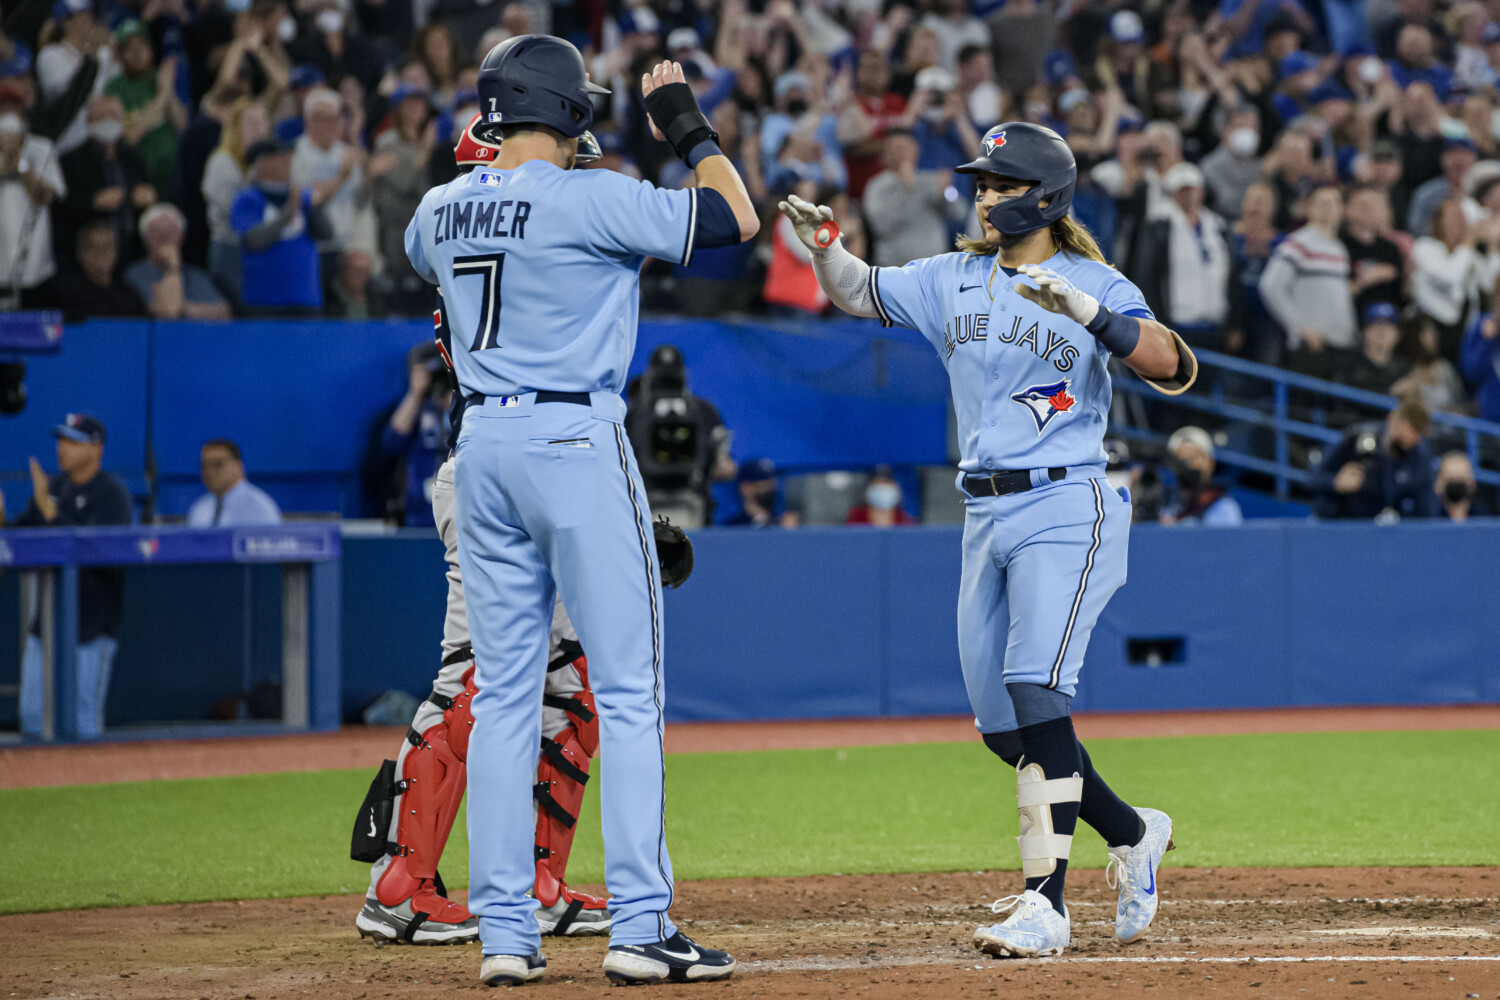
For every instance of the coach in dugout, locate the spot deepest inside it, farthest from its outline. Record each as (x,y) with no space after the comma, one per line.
(81,495)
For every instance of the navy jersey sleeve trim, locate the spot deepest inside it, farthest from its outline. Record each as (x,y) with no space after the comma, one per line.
(692,227)
(885,317)
(717,226)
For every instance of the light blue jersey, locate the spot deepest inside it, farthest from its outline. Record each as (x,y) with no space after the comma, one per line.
(1031,387)
(540,271)
(1031,391)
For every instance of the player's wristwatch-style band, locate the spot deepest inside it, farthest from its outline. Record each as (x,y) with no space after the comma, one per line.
(1002,484)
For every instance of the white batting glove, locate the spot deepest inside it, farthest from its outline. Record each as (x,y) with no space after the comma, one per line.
(1057,294)
(814,223)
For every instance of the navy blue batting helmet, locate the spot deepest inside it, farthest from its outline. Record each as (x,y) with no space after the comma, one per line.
(536,79)
(1028,152)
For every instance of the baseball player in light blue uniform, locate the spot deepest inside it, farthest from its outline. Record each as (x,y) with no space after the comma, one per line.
(1026,320)
(538,266)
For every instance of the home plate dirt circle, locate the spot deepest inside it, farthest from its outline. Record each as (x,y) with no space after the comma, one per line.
(1368,933)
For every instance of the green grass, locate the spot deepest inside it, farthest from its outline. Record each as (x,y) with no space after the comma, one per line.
(1422,798)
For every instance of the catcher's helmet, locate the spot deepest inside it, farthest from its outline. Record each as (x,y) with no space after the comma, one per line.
(535,79)
(473,150)
(1028,152)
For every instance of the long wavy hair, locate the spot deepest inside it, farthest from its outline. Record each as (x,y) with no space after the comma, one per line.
(1070,236)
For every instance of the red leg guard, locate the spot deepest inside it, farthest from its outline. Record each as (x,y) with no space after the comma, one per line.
(562,773)
(433,778)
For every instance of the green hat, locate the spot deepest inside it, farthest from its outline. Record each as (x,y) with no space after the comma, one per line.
(131,29)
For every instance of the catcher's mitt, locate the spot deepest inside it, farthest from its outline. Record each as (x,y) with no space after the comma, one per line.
(674,550)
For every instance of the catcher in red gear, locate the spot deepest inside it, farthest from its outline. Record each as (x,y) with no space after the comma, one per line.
(409,811)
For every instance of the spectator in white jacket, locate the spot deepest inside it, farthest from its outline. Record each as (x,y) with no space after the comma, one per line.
(1306,288)
(1448,271)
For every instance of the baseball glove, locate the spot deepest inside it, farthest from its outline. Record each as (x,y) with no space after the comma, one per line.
(674,551)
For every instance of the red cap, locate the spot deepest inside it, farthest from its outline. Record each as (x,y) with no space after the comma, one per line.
(472,151)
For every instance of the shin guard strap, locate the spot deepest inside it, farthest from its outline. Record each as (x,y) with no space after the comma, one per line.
(543,792)
(553,751)
(1045,793)
(572,706)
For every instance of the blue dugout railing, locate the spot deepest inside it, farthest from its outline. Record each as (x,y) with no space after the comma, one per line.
(1272,409)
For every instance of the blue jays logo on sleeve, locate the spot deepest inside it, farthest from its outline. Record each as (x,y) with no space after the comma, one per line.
(994,141)
(1046,401)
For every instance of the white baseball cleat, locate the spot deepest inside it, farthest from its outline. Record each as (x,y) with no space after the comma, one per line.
(1033,930)
(512,970)
(1132,870)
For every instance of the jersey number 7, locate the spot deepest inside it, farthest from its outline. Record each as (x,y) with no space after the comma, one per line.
(488,266)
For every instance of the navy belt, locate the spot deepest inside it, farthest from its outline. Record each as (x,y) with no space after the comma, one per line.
(545,396)
(1001,484)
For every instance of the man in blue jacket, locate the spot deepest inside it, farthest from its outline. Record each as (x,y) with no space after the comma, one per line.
(81,495)
(278,226)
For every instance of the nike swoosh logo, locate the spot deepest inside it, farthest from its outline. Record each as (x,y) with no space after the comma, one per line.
(691,955)
(372,823)
(1151,889)
(966,288)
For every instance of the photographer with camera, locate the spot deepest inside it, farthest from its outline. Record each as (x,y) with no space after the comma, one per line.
(1379,472)
(1200,498)
(680,442)
(418,429)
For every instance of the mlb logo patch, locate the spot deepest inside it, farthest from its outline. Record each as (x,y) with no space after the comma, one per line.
(492,117)
(994,141)
(508,401)
(491,179)
(1045,402)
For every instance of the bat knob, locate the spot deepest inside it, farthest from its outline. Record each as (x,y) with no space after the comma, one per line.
(826,234)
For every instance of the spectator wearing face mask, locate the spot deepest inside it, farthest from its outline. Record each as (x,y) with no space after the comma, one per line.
(1234,164)
(106,179)
(1455,487)
(1379,470)
(277,225)
(30,179)
(336,47)
(882,507)
(760,498)
(153,114)
(1199,499)
(74,67)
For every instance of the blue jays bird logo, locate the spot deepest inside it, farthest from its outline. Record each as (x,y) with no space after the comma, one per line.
(994,141)
(1046,401)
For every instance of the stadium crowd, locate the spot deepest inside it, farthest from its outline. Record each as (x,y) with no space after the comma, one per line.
(1313,184)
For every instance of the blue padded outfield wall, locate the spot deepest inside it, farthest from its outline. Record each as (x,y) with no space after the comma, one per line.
(854,622)
(300,398)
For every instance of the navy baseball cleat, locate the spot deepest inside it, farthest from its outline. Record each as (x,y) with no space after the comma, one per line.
(677,959)
(512,970)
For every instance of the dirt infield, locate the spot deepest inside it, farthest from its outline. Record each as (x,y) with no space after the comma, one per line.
(360,746)
(1358,933)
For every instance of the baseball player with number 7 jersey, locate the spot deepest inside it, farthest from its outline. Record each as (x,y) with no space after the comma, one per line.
(539,270)
(1026,320)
